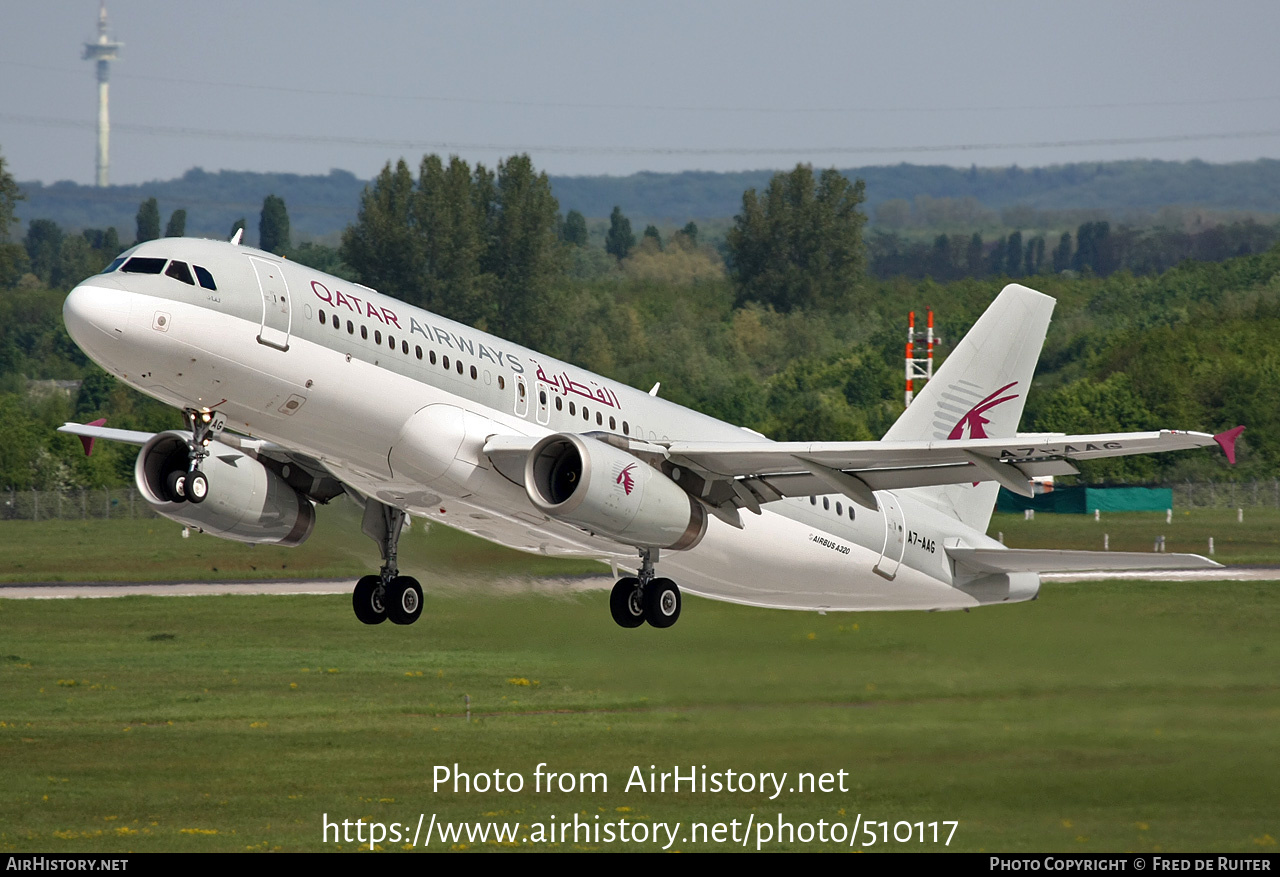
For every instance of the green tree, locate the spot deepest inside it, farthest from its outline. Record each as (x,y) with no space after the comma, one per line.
(381,245)
(973,256)
(76,261)
(1062,253)
(690,231)
(44,247)
(12,256)
(273,226)
(478,246)
(523,255)
(575,229)
(1035,254)
(148,220)
(651,233)
(619,240)
(177,226)
(1014,254)
(799,245)
(450,215)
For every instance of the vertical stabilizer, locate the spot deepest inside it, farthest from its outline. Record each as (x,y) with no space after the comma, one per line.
(979,392)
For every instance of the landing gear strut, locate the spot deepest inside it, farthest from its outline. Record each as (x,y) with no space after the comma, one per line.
(645,597)
(388,594)
(191,484)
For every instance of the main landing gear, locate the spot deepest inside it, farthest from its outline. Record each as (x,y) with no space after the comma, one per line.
(388,594)
(188,483)
(645,597)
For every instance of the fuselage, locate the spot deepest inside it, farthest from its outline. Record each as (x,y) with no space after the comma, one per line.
(354,379)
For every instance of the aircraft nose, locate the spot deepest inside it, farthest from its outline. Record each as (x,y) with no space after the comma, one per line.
(95,312)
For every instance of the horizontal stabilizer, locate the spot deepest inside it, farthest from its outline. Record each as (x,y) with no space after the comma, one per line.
(1044,560)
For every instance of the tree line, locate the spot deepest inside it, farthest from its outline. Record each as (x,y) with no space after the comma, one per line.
(785,330)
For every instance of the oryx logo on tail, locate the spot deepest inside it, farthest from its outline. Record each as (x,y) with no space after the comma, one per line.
(626,480)
(973,422)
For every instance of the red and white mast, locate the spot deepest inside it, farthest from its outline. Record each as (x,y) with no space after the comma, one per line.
(918,368)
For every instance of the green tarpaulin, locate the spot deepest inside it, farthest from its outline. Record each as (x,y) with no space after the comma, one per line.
(1084,500)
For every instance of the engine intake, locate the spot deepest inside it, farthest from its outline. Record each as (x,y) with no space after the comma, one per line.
(606,490)
(247,502)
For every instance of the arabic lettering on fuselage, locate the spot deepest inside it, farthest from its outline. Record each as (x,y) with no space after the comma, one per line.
(434,334)
(566,385)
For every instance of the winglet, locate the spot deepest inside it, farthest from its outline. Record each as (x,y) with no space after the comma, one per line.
(1227,440)
(87,440)
(235,238)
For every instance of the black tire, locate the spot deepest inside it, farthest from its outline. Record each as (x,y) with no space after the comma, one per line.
(368,604)
(404,600)
(661,603)
(175,486)
(624,602)
(197,487)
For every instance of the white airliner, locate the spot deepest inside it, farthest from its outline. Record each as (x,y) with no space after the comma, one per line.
(326,387)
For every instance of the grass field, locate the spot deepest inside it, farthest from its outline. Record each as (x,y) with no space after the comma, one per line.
(1256,540)
(154,550)
(1113,716)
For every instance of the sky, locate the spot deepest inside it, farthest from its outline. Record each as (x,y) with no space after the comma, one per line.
(305,86)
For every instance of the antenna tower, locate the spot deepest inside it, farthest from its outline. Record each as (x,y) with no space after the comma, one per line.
(102,51)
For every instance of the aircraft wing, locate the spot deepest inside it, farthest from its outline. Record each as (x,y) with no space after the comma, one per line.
(727,476)
(771,470)
(88,432)
(1045,560)
(322,485)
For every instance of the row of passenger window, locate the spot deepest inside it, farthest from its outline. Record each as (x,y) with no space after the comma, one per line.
(826,505)
(336,322)
(586,413)
(177,270)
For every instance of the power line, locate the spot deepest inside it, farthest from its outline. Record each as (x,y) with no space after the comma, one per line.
(679,108)
(414,145)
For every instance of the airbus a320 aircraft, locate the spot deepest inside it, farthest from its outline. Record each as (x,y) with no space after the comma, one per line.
(298,387)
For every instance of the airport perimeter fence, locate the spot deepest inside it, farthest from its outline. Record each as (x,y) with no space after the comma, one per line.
(67,505)
(1227,494)
(126,502)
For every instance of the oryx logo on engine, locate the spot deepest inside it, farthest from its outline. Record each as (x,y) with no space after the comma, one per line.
(626,480)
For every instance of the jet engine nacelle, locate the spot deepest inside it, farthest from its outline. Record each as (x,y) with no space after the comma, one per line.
(606,490)
(247,501)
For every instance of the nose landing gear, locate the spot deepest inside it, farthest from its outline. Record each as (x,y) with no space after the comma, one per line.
(645,597)
(190,484)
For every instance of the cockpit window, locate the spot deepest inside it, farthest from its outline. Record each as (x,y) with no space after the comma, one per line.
(180,271)
(206,279)
(113,266)
(143,265)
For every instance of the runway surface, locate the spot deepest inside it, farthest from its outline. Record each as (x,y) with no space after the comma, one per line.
(71,590)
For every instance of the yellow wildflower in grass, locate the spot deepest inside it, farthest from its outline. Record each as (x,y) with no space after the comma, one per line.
(333,670)
(518,680)
(258,724)
(293,686)
(200,831)
(1265,841)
